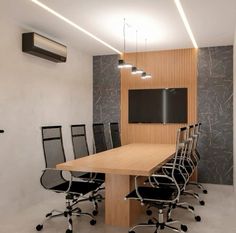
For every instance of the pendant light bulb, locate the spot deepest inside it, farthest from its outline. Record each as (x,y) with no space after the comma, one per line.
(143,76)
(134,70)
(121,63)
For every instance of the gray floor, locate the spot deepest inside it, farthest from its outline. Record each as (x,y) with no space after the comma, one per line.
(218,216)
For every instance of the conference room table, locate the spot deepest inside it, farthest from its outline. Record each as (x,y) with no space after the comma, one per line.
(121,165)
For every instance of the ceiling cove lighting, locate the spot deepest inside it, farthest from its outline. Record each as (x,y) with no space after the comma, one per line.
(74,25)
(186,24)
(121,63)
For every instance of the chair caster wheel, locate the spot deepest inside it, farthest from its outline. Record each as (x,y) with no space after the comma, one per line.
(205,191)
(68,231)
(184,228)
(93,222)
(198,218)
(79,210)
(95,213)
(148,212)
(131,232)
(48,215)
(169,220)
(39,227)
(150,221)
(191,207)
(202,202)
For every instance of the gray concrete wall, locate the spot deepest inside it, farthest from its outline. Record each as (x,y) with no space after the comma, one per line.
(106,91)
(215,111)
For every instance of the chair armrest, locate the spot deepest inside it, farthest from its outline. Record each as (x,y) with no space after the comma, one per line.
(163,176)
(55,169)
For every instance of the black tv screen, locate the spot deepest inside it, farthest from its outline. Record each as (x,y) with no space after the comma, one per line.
(167,105)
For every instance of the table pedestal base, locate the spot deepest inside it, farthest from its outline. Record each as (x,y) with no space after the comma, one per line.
(120,212)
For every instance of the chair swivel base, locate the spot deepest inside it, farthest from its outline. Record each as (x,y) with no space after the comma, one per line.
(200,186)
(182,205)
(160,226)
(68,213)
(195,195)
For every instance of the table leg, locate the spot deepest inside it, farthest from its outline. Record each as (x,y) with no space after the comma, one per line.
(120,212)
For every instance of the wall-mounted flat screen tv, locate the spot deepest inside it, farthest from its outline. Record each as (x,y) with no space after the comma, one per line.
(167,105)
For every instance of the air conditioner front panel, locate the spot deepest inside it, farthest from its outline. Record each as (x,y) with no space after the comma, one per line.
(49,45)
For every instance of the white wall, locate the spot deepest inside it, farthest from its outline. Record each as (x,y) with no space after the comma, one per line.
(36,92)
(234,110)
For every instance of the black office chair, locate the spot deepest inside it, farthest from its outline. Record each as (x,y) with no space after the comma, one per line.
(80,148)
(53,180)
(114,134)
(99,138)
(161,196)
(195,133)
(181,174)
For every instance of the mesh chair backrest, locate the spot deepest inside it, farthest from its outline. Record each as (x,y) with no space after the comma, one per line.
(115,135)
(79,142)
(181,149)
(99,138)
(191,130)
(198,133)
(182,137)
(194,136)
(53,154)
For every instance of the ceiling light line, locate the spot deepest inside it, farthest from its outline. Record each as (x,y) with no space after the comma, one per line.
(186,24)
(74,25)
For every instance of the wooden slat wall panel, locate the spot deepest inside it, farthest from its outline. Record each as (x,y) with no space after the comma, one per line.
(174,68)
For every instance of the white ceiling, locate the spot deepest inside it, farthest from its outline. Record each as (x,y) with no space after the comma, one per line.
(212,22)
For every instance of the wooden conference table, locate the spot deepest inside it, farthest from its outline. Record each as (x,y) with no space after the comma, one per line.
(121,165)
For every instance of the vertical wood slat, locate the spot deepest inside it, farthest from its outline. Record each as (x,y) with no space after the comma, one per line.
(174,68)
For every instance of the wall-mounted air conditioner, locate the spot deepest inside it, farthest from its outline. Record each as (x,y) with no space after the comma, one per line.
(43,47)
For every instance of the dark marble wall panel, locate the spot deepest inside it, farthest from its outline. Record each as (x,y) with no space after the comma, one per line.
(215,111)
(106,91)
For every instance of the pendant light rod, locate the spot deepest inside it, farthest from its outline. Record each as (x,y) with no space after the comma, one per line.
(121,62)
(144,74)
(124,35)
(136,54)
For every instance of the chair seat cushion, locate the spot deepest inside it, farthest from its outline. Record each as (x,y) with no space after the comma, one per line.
(154,194)
(77,187)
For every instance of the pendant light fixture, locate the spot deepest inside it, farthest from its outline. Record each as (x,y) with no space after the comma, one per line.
(121,62)
(135,70)
(144,74)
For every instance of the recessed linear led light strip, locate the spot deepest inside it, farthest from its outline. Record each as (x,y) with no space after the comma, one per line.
(74,25)
(186,24)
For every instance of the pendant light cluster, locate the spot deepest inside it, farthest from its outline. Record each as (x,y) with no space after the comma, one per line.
(134,69)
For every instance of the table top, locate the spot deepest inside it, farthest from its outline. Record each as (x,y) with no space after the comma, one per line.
(132,159)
